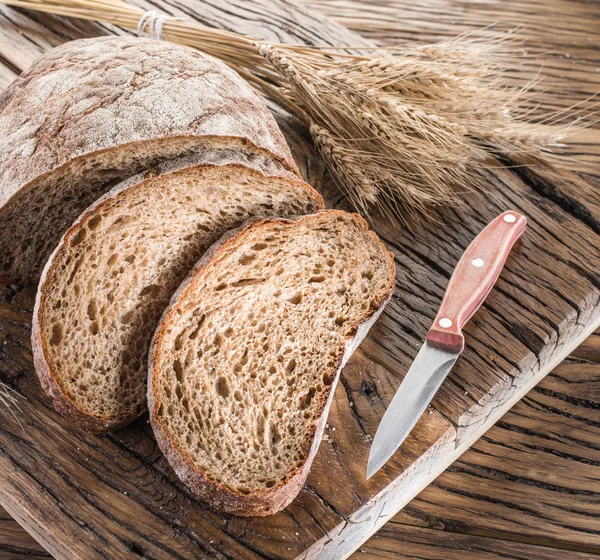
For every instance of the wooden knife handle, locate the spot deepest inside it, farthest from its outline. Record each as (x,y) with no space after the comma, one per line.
(473,278)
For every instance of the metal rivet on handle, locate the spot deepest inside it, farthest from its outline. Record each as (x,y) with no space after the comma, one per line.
(445,323)
(477,262)
(510,218)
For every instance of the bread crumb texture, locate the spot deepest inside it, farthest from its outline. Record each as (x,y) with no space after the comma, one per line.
(247,356)
(110,280)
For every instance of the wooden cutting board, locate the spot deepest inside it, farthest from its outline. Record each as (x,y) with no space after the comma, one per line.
(114,496)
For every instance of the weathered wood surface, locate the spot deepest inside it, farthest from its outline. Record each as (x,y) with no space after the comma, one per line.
(115,497)
(532,479)
(513,514)
(16,543)
(529,488)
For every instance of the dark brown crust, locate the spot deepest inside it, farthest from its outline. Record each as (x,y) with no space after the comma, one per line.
(82,68)
(100,100)
(214,494)
(49,379)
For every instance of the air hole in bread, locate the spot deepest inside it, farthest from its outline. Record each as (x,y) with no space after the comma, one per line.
(295,298)
(92,310)
(94,222)
(222,387)
(291,366)
(307,399)
(179,342)
(328,378)
(275,435)
(56,335)
(246,282)
(78,237)
(120,222)
(195,332)
(178,369)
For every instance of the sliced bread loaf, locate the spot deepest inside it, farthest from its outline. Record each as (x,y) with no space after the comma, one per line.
(245,360)
(107,283)
(93,112)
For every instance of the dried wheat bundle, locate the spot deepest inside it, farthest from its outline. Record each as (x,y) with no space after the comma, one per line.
(398,129)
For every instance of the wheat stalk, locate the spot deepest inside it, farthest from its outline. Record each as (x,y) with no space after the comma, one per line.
(8,400)
(398,129)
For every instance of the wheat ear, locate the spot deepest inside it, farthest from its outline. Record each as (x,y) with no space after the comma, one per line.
(403,129)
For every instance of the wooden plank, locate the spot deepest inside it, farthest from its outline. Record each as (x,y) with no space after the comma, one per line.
(16,543)
(114,496)
(533,478)
(589,349)
(418,543)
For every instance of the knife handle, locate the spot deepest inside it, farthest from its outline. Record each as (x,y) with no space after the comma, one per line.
(473,278)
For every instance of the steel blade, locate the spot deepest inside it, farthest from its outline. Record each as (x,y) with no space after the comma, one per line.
(414,394)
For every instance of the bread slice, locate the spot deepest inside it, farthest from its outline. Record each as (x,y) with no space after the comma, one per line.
(93,112)
(107,283)
(245,360)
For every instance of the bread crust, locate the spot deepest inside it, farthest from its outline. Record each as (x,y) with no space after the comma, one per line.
(92,101)
(211,492)
(96,84)
(49,379)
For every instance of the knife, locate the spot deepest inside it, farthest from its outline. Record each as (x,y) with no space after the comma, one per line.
(472,279)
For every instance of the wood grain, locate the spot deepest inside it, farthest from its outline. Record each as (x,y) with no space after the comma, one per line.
(589,349)
(537,468)
(417,543)
(533,478)
(115,497)
(570,75)
(15,542)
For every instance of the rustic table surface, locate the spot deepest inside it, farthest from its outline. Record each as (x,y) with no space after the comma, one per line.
(529,488)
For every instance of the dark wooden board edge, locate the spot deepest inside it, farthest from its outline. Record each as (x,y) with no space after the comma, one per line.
(348,536)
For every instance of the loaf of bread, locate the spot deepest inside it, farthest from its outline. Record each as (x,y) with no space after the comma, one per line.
(245,360)
(93,112)
(107,283)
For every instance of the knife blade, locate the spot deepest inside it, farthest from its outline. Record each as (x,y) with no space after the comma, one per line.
(472,279)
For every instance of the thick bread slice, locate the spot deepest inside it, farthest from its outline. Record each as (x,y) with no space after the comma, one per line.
(107,283)
(93,112)
(245,360)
